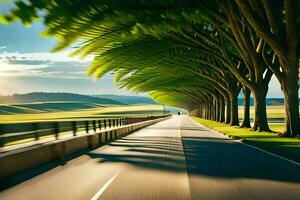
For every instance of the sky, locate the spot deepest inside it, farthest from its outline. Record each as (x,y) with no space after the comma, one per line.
(26,65)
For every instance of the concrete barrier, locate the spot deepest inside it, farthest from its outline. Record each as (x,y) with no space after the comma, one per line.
(25,158)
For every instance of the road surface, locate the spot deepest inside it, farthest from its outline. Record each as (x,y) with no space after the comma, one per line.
(173,159)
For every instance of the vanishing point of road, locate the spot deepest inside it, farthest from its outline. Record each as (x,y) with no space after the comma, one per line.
(173,159)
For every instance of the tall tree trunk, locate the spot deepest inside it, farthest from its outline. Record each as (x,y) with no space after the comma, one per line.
(217,109)
(209,110)
(222,109)
(212,109)
(234,89)
(206,110)
(291,68)
(200,111)
(290,89)
(234,120)
(197,112)
(228,113)
(260,113)
(246,119)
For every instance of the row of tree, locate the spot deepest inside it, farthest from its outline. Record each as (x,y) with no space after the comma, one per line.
(196,54)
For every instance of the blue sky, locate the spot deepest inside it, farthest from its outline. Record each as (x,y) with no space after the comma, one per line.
(27,66)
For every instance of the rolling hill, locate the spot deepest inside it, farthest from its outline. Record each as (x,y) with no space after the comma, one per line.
(56,97)
(44,107)
(43,102)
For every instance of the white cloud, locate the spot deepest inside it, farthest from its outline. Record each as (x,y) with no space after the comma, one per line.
(8,69)
(43,64)
(44,56)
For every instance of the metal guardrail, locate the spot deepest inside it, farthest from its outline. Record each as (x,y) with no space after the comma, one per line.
(10,133)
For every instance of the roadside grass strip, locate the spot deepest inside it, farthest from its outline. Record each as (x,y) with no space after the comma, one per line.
(272,142)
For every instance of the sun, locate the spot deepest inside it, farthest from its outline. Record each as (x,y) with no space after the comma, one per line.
(5,66)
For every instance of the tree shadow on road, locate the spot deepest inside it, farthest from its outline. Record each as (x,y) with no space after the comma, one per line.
(234,160)
(157,153)
(210,157)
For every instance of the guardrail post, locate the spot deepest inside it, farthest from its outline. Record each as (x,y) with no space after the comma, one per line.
(56,130)
(106,136)
(109,123)
(99,124)
(36,131)
(2,142)
(1,138)
(105,124)
(100,140)
(113,122)
(94,125)
(87,126)
(74,127)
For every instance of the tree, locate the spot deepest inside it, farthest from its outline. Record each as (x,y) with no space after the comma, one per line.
(236,38)
(277,22)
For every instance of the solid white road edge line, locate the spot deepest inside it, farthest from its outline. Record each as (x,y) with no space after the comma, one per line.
(104,187)
(249,145)
(267,152)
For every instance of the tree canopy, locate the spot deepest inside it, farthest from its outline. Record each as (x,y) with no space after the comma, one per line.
(195,54)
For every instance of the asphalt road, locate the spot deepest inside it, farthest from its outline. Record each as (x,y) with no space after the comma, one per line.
(174,159)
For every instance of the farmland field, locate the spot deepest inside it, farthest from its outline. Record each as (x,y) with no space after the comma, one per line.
(78,111)
(70,110)
(44,111)
(62,112)
(273,112)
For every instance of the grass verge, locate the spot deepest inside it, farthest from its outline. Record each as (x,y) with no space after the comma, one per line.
(274,143)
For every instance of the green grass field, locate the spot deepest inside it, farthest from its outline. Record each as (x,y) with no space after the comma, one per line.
(68,111)
(65,111)
(272,112)
(287,147)
(12,113)
(40,111)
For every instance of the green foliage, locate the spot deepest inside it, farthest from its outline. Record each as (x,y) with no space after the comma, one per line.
(178,50)
(149,45)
